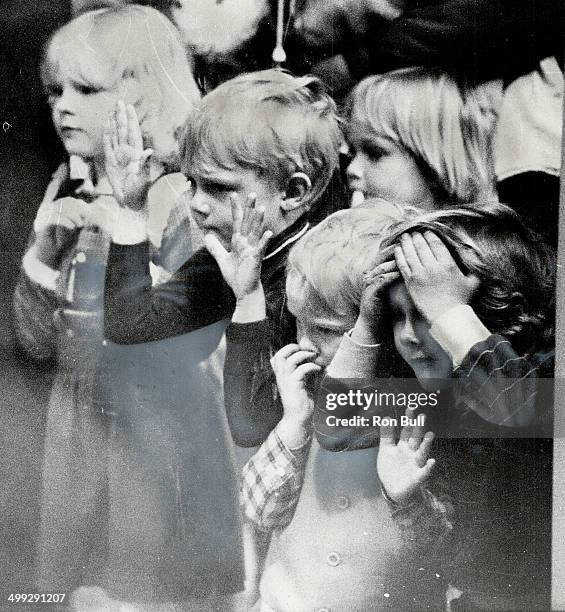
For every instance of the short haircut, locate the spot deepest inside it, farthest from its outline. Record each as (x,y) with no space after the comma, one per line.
(445,124)
(516,269)
(331,258)
(269,122)
(108,47)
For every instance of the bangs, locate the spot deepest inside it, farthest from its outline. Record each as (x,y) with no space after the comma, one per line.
(226,136)
(71,54)
(377,109)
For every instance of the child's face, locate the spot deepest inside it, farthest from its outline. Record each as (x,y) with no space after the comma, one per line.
(381,169)
(80,114)
(318,328)
(412,338)
(211,202)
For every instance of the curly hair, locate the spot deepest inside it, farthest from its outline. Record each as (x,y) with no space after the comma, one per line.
(516,269)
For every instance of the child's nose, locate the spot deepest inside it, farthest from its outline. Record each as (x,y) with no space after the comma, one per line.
(355,168)
(64,102)
(408,333)
(199,205)
(306,344)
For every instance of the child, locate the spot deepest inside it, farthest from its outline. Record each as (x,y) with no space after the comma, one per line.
(100,467)
(266,133)
(334,544)
(420,137)
(475,304)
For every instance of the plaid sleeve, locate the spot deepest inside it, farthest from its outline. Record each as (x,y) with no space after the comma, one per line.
(426,523)
(271,483)
(499,385)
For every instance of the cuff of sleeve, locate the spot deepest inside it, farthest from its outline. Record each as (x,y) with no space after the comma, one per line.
(130,227)
(244,331)
(353,360)
(39,272)
(457,331)
(293,454)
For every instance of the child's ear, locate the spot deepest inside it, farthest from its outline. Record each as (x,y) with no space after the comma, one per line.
(297,189)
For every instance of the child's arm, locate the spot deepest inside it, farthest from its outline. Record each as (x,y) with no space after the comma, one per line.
(500,384)
(195,296)
(403,468)
(273,477)
(35,299)
(361,358)
(271,483)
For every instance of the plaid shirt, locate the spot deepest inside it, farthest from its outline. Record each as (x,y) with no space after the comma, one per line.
(272,481)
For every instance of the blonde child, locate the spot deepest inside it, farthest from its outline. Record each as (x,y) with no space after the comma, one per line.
(419,137)
(104,515)
(334,543)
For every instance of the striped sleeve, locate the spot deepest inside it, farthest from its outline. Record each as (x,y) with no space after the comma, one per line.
(501,386)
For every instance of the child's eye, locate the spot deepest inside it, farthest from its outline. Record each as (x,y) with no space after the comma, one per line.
(54,91)
(373,153)
(88,90)
(217,188)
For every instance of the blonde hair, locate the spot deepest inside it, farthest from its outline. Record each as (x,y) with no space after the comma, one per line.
(331,258)
(270,122)
(108,47)
(445,124)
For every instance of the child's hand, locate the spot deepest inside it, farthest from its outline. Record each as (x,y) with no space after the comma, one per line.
(126,160)
(55,225)
(369,324)
(292,367)
(404,466)
(241,266)
(432,277)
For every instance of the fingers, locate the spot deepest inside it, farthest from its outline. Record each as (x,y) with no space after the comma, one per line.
(300,357)
(426,471)
(423,452)
(265,240)
(304,370)
(437,247)
(383,268)
(410,254)
(417,431)
(248,209)
(402,264)
(387,435)
(133,129)
(423,250)
(122,123)
(215,248)
(285,352)
(236,213)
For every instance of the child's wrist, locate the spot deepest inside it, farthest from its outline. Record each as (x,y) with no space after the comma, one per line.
(403,501)
(251,306)
(364,333)
(294,432)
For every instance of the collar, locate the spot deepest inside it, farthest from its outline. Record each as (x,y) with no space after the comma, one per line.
(287,237)
(80,170)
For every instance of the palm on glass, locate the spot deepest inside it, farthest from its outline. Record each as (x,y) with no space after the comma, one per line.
(241,265)
(404,466)
(126,159)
